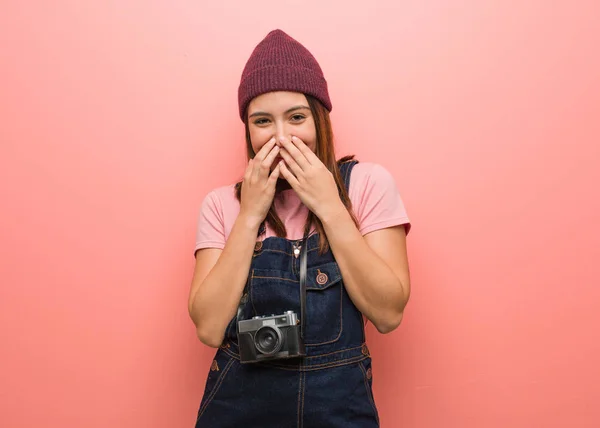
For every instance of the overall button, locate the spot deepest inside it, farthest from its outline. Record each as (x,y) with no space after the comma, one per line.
(322,278)
(258,246)
(369,373)
(365,349)
(214,366)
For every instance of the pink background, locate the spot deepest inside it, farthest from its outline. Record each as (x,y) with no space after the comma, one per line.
(113,113)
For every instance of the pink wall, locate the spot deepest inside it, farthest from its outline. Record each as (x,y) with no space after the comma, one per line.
(488,115)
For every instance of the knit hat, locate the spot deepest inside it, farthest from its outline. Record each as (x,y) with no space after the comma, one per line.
(280,63)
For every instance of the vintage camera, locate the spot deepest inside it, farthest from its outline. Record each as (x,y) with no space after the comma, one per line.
(263,338)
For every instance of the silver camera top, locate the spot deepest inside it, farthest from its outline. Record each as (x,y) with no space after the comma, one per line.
(288,318)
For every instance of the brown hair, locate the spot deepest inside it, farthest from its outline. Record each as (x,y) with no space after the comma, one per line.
(326,153)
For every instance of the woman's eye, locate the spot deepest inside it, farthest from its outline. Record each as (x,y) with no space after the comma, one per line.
(261,121)
(297,117)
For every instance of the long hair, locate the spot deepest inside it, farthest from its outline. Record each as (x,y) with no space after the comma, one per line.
(325,151)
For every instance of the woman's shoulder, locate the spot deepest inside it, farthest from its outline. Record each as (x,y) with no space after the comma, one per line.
(224,192)
(221,198)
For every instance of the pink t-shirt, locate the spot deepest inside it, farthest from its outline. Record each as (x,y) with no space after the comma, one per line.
(375,198)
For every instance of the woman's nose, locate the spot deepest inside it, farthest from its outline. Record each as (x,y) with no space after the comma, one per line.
(282,131)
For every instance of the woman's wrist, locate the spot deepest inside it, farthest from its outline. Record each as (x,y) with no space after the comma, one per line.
(333,213)
(248,221)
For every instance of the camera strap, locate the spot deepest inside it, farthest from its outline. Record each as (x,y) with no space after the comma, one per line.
(303,268)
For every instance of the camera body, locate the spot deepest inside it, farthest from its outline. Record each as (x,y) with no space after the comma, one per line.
(264,338)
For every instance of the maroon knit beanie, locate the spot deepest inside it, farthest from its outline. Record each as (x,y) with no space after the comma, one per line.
(280,63)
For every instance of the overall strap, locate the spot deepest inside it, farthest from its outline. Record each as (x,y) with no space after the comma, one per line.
(346,170)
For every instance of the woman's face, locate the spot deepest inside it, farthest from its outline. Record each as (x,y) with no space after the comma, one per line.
(280,114)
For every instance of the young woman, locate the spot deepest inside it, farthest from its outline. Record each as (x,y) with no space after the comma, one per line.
(307,247)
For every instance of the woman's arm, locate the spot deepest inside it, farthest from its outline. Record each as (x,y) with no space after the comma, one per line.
(218,282)
(374,268)
(220,275)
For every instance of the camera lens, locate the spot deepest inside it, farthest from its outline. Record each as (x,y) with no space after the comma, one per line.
(268,339)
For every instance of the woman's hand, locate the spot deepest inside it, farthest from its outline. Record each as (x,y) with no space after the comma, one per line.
(258,186)
(310,178)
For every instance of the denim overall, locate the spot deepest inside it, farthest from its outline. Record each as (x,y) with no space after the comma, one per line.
(332,386)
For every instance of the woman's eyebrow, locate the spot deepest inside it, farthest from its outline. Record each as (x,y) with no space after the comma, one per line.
(262,113)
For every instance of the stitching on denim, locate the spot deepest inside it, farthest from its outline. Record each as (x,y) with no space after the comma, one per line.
(232,354)
(302,380)
(250,294)
(299,392)
(314,367)
(258,253)
(341,321)
(335,352)
(274,277)
(310,367)
(303,374)
(330,284)
(368,389)
(272,251)
(237,356)
(215,389)
(362,325)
